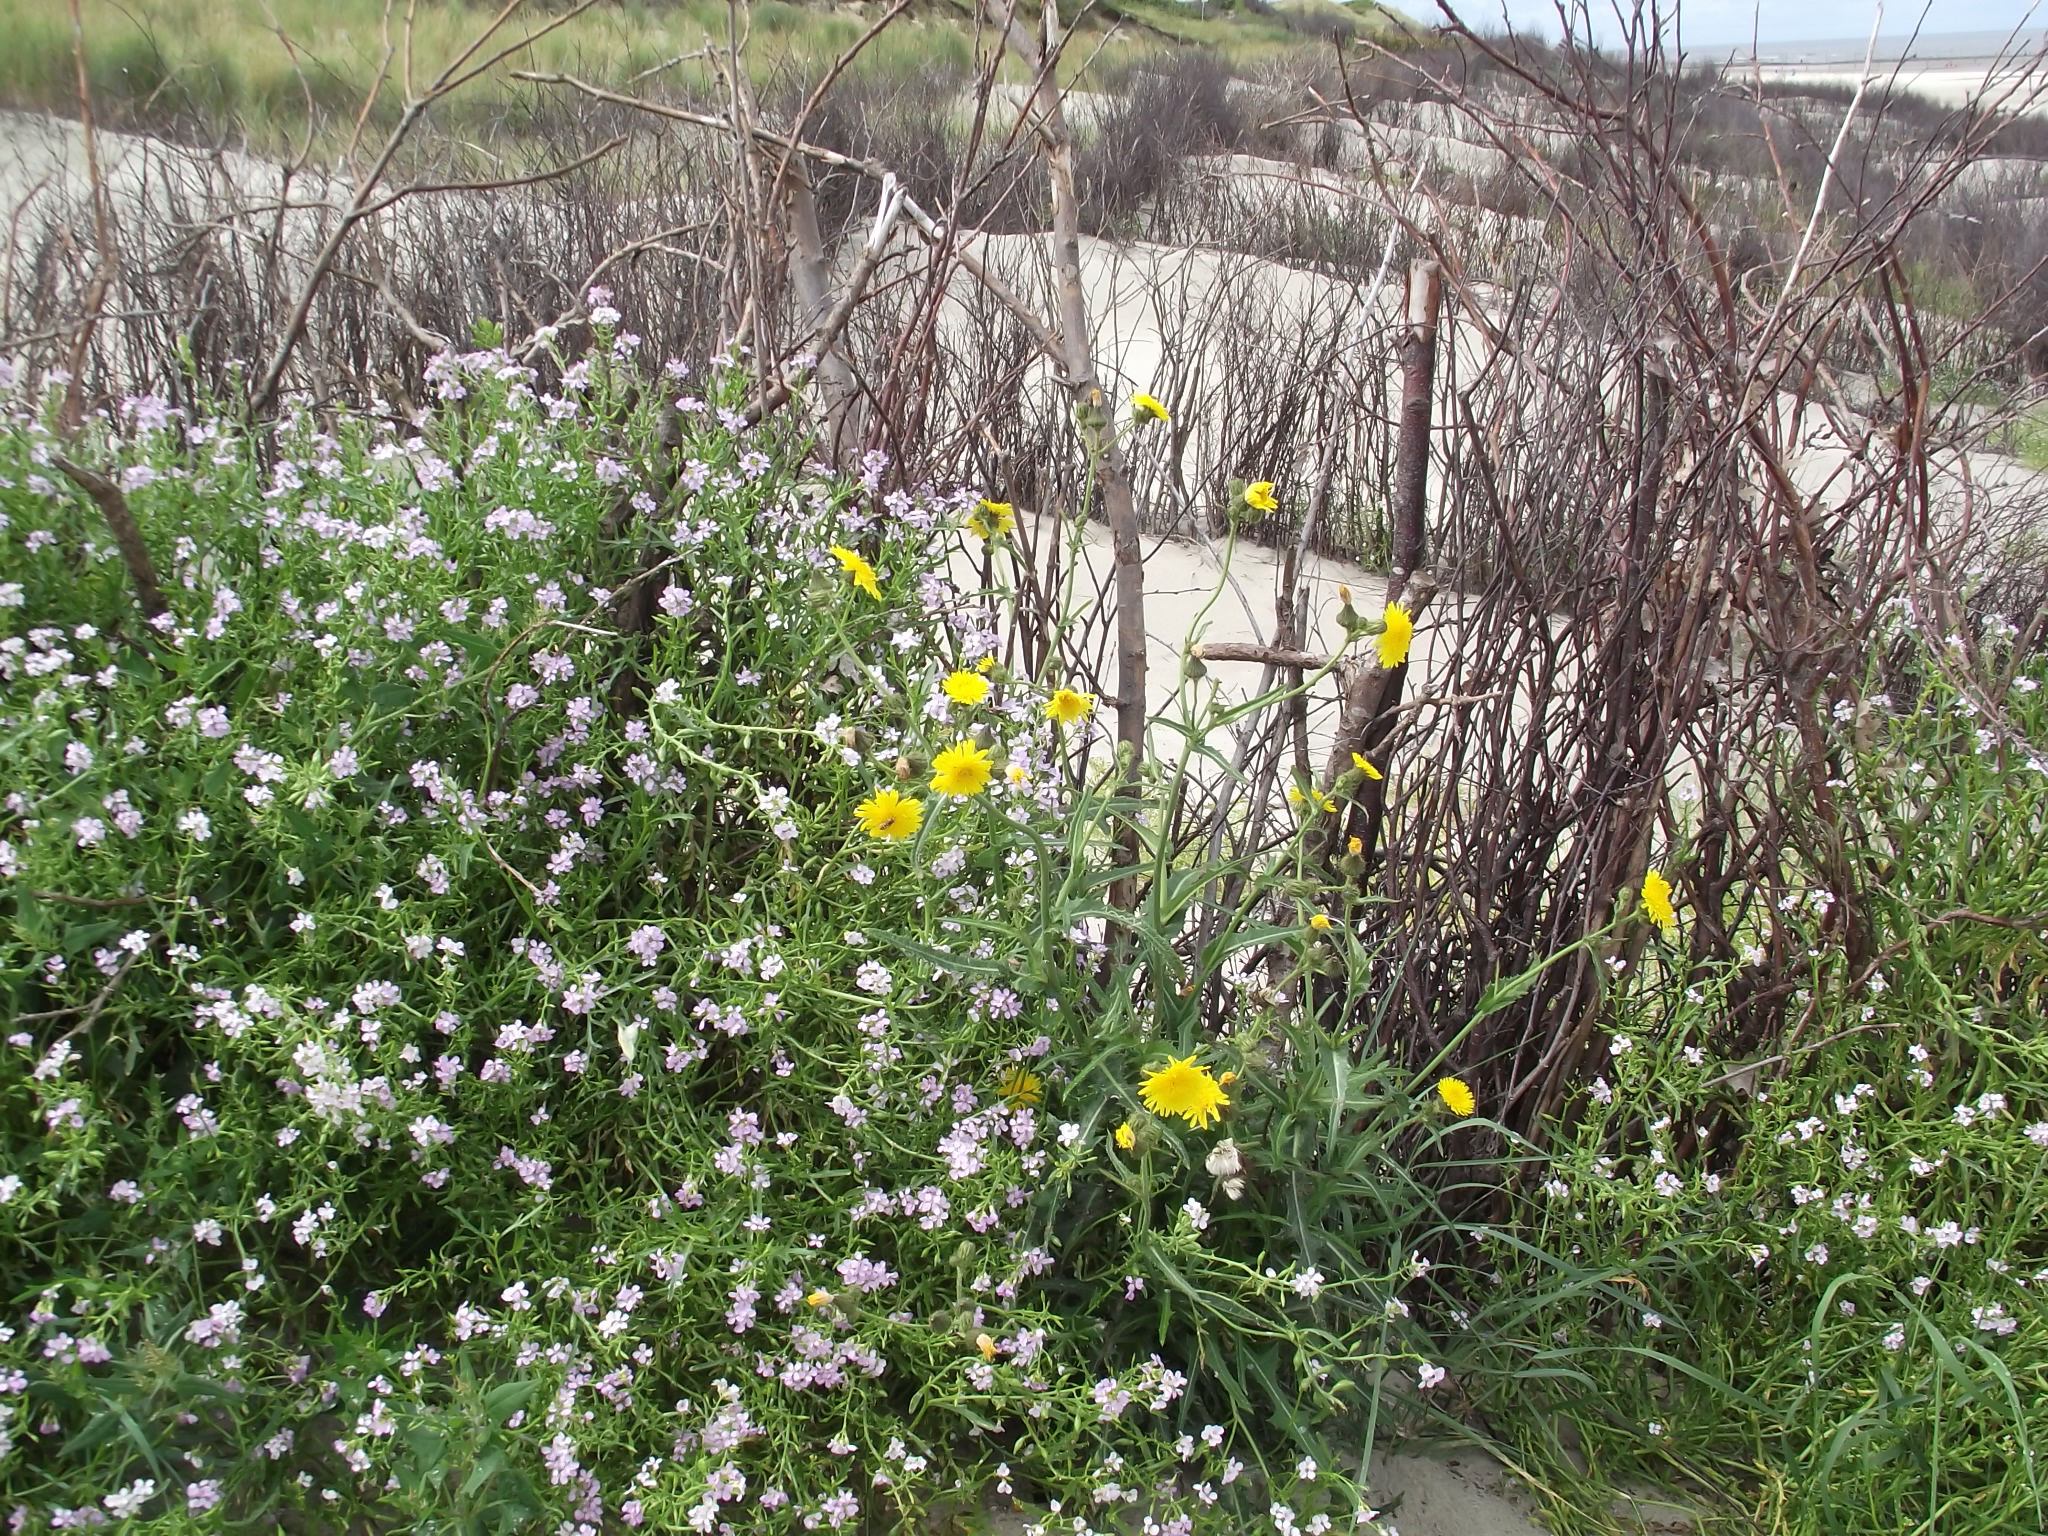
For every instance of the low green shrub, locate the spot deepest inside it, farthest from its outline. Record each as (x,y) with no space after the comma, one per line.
(510,1030)
(1809,1283)
(564,984)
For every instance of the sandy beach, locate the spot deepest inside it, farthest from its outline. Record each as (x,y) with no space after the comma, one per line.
(1953,69)
(1950,85)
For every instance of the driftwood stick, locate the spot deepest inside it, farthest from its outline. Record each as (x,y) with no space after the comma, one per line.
(100,1000)
(149,596)
(107,903)
(1264,655)
(827,335)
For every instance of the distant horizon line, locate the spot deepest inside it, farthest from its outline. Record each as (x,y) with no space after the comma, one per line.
(1964,43)
(1921,48)
(1893,46)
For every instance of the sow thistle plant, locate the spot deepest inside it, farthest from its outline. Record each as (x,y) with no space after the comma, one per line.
(1186,1090)
(503,1037)
(1395,632)
(1657,902)
(990,520)
(1069,706)
(960,771)
(857,570)
(965,687)
(889,815)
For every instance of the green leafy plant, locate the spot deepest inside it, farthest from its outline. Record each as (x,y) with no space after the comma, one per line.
(1806,1282)
(560,982)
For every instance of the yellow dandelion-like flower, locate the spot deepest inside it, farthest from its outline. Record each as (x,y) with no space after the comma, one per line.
(1364,766)
(1259,496)
(961,770)
(862,573)
(1295,796)
(1068,707)
(991,519)
(965,687)
(1020,1087)
(1357,845)
(1126,1138)
(1144,406)
(986,1345)
(889,815)
(1395,637)
(1657,903)
(1186,1089)
(1457,1095)
(1323,801)
(819,1299)
(1321,922)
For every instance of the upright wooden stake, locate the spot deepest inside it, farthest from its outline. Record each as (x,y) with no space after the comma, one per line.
(1094,410)
(1411,447)
(1370,714)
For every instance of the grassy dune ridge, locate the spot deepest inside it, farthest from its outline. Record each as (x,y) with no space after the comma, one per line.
(257,66)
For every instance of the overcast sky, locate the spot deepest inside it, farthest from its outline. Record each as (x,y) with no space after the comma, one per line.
(1736,21)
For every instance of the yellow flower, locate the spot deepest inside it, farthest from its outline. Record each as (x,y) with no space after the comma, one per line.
(1020,1087)
(1364,766)
(1320,922)
(1182,1088)
(819,1299)
(1126,1138)
(1143,405)
(986,1345)
(1457,1095)
(1357,845)
(1323,801)
(991,519)
(888,815)
(1657,903)
(1395,637)
(966,687)
(961,770)
(1068,707)
(862,573)
(1259,496)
